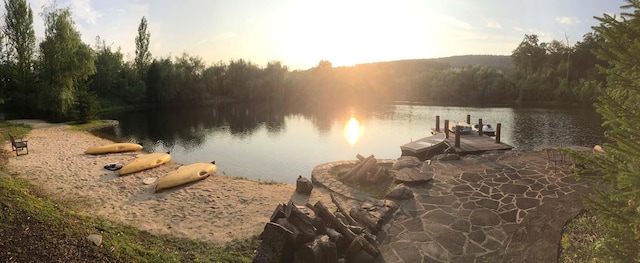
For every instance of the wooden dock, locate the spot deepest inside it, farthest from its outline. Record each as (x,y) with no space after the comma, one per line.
(472,144)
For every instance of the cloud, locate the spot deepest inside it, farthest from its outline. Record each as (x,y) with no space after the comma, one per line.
(519,29)
(493,24)
(83,11)
(565,20)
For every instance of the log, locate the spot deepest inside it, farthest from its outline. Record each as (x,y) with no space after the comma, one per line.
(302,221)
(356,229)
(278,213)
(358,244)
(320,250)
(381,175)
(360,157)
(341,218)
(361,174)
(296,238)
(336,237)
(275,246)
(333,222)
(357,167)
(367,220)
(341,209)
(317,221)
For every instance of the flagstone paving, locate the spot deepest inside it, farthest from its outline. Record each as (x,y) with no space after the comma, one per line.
(495,207)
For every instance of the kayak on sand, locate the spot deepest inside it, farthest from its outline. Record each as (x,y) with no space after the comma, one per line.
(145,162)
(114,148)
(186,174)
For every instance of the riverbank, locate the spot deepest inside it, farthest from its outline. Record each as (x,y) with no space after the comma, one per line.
(217,209)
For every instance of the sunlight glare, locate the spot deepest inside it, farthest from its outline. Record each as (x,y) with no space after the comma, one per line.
(357,32)
(352,131)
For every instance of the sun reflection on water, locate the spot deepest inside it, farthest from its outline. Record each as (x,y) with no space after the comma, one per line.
(352,130)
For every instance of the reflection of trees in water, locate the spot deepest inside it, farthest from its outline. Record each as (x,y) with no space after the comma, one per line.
(188,127)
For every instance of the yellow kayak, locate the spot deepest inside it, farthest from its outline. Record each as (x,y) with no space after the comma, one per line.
(186,174)
(114,148)
(145,162)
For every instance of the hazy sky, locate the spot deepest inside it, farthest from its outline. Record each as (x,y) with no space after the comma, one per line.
(300,33)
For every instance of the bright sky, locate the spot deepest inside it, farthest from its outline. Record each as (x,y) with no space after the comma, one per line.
(300,33)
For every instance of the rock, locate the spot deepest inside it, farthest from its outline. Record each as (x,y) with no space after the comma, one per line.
(303,185)
(400,192)
(95,239)
(149,180)
(412,176)
(406,161)
(446,157)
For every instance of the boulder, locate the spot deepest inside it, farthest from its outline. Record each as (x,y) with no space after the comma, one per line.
(303,185)
(412,176)
(406,162)
(400,192)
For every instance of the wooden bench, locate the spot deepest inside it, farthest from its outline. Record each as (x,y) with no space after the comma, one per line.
(18,145)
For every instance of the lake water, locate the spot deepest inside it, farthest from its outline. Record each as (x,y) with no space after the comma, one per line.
(269,143)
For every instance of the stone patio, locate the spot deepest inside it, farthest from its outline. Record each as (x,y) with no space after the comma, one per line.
(496,207)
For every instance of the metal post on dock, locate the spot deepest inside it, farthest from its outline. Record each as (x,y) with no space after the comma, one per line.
(446,129)
(437,123)
(468,119)
(498,132)
(479,127)
(458,128)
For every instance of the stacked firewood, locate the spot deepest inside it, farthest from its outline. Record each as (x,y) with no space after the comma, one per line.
(366,172)
(312,233)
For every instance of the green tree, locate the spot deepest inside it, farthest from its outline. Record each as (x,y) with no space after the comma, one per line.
(109,65)
(529,56)
(21,41)
(143,55)
(274,81)
(65,64)
(619,205)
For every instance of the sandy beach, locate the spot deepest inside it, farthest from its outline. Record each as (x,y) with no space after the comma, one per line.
(217,209)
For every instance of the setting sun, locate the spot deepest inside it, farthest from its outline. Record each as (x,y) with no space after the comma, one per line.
(352,131)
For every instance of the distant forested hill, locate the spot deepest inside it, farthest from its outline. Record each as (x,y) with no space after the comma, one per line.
(493,61)
(502,63)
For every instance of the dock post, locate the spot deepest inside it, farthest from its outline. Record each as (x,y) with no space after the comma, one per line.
(446,129)
(468,119)
(437,123)
(498,126)
(479,127)
(458,128)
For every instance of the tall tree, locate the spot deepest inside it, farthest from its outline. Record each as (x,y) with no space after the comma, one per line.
(109,64)
(619,205)
(528,57)
(65,64)
(21,41)
(143,55)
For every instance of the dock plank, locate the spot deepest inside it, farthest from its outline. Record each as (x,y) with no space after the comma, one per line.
(472,143)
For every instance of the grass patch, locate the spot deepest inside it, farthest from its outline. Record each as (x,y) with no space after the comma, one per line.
(18,130)
(378,190)
(580,239)
(34,228)
(90,126)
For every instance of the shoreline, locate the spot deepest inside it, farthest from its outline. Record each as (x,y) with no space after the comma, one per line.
(217,209)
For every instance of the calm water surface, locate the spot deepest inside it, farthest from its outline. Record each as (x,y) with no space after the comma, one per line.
(271,144)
